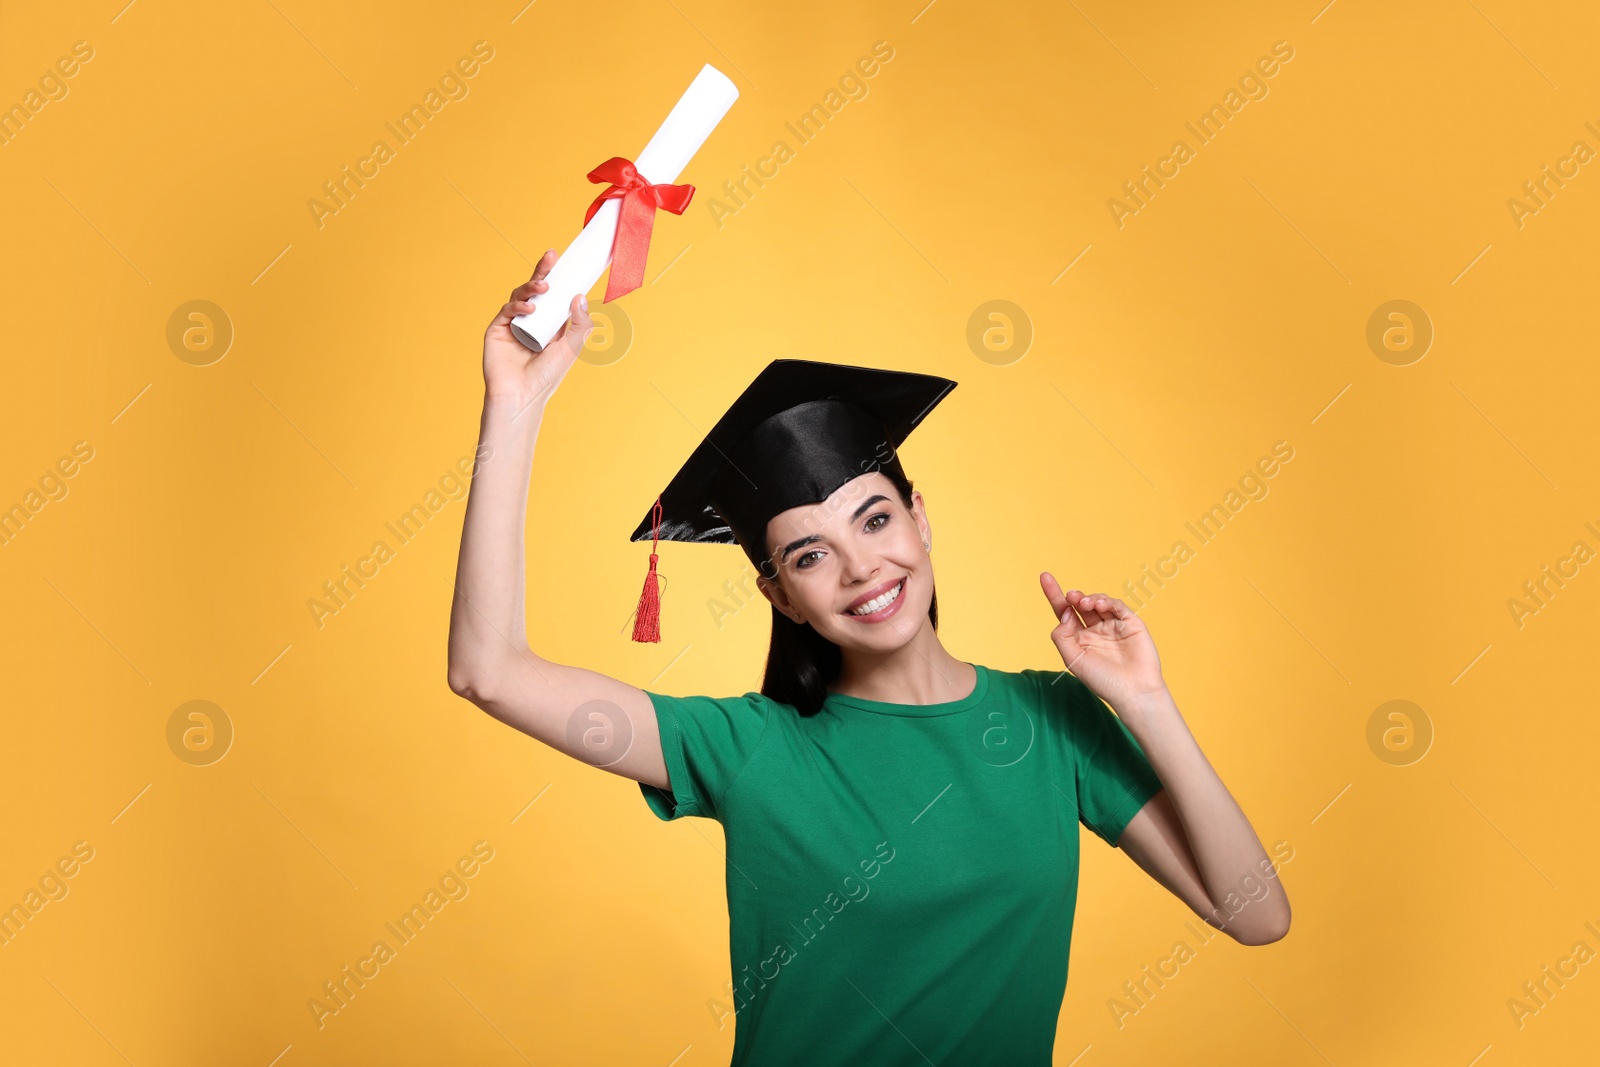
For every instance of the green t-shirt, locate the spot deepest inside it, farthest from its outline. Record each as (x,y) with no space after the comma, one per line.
(902,878)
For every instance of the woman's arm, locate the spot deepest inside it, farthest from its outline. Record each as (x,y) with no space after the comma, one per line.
(1192,837)
(589,716)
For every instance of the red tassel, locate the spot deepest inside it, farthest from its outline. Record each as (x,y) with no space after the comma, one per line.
(647,621)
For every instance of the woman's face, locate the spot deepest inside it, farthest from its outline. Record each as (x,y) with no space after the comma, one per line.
(860,546)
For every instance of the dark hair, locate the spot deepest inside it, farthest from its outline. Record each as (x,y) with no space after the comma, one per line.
(801,662)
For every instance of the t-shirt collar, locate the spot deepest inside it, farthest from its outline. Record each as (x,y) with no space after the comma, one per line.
(881,707)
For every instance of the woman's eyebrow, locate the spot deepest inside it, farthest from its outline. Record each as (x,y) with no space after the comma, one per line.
(865,504)
(783,556)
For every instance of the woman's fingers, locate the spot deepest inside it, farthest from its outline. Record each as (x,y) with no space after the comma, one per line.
(529,289)
(546,262)
(521,302)
(536,283)
(578,320)
(1092,607)
(1099,607)
(1053,593)
(1060,604)
(1100,604)
(563,349)
(1087,606)
(1118,608)
(522,297)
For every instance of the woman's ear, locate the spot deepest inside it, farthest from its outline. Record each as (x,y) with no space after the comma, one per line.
(775,594)
(919,512)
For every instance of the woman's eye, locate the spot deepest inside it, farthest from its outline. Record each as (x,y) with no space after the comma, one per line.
(801,564)
(875,518)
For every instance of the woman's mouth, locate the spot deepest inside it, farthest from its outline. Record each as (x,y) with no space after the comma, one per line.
(881,606)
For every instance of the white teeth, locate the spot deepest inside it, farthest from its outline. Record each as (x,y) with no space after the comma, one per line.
(879,603)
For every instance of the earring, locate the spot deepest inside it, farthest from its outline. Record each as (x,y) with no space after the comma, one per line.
(926,546)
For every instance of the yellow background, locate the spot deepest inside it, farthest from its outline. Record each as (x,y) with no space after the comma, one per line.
(1228,314)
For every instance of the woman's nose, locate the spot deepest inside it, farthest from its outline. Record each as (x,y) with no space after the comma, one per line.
(857,566)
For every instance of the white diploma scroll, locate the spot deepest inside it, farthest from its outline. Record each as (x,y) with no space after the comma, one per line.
(697,113)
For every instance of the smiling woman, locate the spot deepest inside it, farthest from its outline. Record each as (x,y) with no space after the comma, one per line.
(865,728)
(802,473)
(817,610)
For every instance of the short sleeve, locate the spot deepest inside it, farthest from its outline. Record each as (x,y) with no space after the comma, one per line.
(1112,773)
(706,742)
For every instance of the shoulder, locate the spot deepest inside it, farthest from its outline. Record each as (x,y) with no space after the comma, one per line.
(738,721)
(1043,689)
(743,703)
(1058,698)
(706,743)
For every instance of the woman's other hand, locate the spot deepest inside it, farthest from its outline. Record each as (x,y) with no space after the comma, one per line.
(1105,644)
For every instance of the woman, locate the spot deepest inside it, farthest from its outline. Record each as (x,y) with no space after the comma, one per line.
(901,825)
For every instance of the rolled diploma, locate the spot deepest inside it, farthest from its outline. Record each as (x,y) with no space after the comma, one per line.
(697,113)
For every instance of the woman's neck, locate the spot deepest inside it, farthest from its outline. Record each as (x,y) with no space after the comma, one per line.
(920,672)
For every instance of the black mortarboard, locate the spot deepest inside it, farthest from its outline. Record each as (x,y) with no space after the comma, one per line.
(797,433)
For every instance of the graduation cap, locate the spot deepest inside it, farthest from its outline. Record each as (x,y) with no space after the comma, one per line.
(795,435)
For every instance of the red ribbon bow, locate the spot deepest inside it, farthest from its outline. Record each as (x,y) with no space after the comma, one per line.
(639,202)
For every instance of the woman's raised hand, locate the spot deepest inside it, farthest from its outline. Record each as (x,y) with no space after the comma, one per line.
(512,369)
(1105,644)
